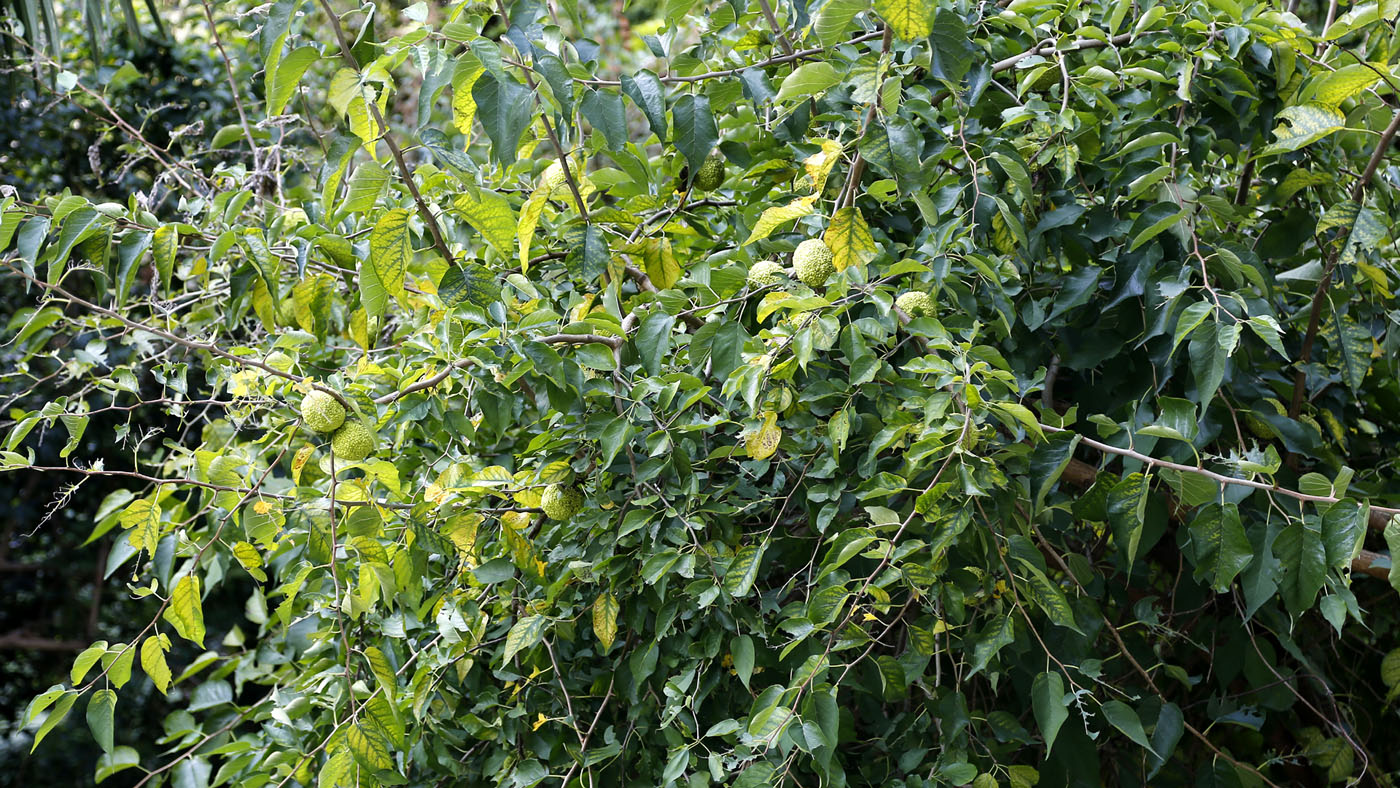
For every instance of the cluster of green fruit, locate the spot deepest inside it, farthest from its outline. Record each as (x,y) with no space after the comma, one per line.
(351,440)
(812,264)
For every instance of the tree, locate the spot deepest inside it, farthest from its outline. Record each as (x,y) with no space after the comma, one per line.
(894,394)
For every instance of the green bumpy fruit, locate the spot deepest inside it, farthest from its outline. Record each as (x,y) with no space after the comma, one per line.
(560,502)
(711,174)
(352,442)
(916,304)
(322,412)
(812,262)
(765,273)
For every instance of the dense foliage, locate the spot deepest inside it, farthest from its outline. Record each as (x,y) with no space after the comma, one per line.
(1047,453)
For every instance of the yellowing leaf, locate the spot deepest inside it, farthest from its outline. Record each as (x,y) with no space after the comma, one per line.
(780,214)
(1307,123)
(369,747)
(850,240)
(660,262)
(1346,82)
(153,660)
(605,610)
(185,611)
(526,633)
(909,19)
(819,164)
(530,214)
(250,559)
(299,461)
(491,215)
(762,442)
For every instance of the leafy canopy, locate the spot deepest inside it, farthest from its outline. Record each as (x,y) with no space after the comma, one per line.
(1091,516)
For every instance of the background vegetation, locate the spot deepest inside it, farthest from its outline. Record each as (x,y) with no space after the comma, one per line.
(1116,508)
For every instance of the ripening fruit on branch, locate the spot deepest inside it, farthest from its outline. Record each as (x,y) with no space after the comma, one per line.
(353,441)
(812,262)
(765,273)
(322,412)
(711,174)
(560,502)
(916,304)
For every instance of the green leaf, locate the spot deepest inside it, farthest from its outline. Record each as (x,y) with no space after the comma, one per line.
(1153,221)
(1353,346)
(390,249)
(491,215)
(808,81)
(997,634)
(741,648)
(101,707)
(952,46)
(759,775)
(1049,598)
(469,283)
(59,712)
(644,88)
(743,570)
(589,256)
(834,20)
(86,660)
(526,634)
(695,129)
(185,611)
(1221,548)
(119,759)
(1127,501)
(1303,557)
(76,226)
(1307,123)
(281,83)
(1049,706)
(653,340)
(1121,716)
(909,19)
(505,108)
(1335,87)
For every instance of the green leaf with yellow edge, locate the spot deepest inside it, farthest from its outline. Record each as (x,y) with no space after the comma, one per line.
(390,249)
(909,19)
(469,69)
(605,610)
(1307,123)
(164,243)
(743,570)
(491,215)
(153,660)
(849,239)
(526,634)
(185,611)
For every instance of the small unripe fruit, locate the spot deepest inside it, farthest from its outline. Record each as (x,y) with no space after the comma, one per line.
(916,304)
(711,174)
(812,262)
(322,412)
(765,273)
(352,442)
(561,502)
